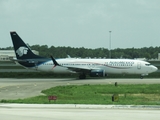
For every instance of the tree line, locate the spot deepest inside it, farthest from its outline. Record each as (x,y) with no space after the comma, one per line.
(62,52)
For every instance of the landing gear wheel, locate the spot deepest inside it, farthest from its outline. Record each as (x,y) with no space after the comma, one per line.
(82,76)
(141,77)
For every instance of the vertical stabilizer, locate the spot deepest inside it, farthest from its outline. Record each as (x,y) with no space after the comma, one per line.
(22,51)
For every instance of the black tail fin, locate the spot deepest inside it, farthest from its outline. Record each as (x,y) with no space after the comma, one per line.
(22,51)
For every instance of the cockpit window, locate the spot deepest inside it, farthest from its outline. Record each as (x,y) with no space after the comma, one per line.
(147,64)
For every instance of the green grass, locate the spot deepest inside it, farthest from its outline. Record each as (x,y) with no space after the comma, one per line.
(7,62)
(11,67)
(142,94)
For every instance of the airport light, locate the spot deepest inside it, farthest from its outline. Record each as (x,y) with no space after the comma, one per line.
(110,44)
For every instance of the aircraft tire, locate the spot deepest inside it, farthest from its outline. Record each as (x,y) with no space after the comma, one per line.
(82,76)
(141,77)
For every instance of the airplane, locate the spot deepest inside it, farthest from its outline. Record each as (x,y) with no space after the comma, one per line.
(80,66)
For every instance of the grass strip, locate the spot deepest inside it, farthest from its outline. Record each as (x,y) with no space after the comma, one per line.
(128,94)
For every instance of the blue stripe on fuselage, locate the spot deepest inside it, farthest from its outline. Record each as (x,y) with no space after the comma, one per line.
(29,63)
(34,62)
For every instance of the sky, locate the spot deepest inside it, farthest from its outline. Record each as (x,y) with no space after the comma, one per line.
(82,23)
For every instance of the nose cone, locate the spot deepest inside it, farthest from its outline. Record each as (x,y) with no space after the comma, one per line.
(155,69)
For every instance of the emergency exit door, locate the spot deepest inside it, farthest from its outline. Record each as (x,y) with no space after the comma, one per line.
(138,65)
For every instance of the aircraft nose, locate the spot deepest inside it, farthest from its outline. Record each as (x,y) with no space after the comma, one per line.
(155,68)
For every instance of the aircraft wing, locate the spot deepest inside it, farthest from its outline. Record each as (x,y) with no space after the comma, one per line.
(74,69)
(79,69)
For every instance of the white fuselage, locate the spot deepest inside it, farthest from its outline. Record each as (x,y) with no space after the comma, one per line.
(110,66)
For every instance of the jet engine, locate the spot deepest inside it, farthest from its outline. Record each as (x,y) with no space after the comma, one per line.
(97,73)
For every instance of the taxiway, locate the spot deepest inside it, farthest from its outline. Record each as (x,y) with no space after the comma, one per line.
(23,88)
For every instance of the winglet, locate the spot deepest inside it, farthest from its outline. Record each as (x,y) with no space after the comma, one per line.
(54,61)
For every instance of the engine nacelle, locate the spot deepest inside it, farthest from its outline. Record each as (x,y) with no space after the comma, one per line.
(97,73)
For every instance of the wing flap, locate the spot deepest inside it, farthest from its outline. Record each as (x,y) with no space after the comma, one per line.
(78,69)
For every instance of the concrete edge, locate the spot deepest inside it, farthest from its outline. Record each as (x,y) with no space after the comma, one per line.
(83,106)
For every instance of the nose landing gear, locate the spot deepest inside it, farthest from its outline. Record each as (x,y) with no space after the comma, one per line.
(141,77)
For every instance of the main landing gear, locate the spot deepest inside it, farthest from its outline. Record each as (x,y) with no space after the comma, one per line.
(82,76)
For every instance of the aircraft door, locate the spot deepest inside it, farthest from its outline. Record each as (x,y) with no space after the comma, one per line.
(36,65)
(138,65)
